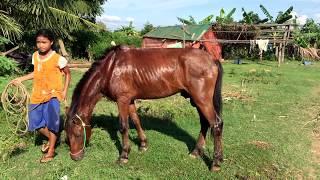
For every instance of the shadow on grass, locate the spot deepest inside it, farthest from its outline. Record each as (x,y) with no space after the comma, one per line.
(164,126)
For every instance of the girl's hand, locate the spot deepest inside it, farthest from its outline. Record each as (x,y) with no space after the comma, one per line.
(64,95)
(16,81)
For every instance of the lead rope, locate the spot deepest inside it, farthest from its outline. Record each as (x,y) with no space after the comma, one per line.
(15,100)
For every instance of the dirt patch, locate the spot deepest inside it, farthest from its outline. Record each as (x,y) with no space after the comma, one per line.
(80,69)
(261,144)
(233,92)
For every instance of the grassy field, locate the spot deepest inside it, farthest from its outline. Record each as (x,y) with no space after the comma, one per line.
(270,132)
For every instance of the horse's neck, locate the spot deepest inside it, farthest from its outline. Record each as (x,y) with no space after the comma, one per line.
(88,99)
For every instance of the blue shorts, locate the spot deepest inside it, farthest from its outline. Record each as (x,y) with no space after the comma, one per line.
(45,114)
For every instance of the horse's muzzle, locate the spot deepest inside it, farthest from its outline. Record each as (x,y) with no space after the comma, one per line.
(78,156)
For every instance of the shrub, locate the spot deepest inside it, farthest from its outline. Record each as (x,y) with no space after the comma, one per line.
(104,40)
(7,66)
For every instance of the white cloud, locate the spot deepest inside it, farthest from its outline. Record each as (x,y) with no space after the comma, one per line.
(301,19)
(114,22)
(108,18)
(130,19)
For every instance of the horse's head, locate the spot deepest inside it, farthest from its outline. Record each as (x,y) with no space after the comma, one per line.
(78,132)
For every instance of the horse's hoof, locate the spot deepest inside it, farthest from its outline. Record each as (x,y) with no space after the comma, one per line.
(215,168)
(143,149)
(194,156)
(123,161)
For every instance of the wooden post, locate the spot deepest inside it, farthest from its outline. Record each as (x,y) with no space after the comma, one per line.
(284,44)
(279,54)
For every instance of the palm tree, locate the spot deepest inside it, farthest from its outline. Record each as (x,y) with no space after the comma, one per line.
(9,27)
(61,16)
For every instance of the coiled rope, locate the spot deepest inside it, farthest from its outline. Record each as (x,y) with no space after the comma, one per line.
(15,100)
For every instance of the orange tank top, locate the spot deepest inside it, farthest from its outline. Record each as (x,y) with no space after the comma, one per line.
(47,82)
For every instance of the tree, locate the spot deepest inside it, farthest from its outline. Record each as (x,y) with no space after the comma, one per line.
(308,35)
(147,28)
(61,16)
(128,30)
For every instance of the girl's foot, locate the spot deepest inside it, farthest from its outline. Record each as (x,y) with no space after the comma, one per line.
(45,147)
(46,158)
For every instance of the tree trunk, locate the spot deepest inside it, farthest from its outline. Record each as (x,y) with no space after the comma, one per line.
(62,48)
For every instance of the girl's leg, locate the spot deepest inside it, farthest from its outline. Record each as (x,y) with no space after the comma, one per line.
(51,152)
(52,142)
(44,131)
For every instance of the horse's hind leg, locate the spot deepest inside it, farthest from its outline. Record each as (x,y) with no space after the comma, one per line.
(136,120)
(198,150)
(216,125)
(205,104)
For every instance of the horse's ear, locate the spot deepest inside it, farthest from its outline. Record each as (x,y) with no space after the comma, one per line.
(66,106)
(67,109)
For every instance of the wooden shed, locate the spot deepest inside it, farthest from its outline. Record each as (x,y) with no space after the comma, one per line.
(183,36)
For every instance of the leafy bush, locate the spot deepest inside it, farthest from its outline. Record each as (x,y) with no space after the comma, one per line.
(3,41)
(7,66)
(104,40)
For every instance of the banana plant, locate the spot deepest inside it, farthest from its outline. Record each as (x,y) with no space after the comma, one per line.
(192,21)
(251,17)
(281,17)
(225,19)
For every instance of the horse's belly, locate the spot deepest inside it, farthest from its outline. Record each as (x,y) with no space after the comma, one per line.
(155,91)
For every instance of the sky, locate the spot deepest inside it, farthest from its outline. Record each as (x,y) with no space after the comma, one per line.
(119,13)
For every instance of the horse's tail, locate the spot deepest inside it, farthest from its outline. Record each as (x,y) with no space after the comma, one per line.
(217,98)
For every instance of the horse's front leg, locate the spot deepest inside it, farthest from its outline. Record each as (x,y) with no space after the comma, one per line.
(123,107)
(136,120)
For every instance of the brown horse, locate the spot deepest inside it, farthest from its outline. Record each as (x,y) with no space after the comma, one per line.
(126,74)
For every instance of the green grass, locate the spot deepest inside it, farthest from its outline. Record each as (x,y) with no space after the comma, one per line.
(266,133)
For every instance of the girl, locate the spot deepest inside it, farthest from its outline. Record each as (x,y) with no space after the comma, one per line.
(47,91)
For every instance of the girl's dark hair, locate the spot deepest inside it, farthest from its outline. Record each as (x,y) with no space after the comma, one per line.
(45,33)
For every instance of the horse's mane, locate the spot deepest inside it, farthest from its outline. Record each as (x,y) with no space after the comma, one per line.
(94,67)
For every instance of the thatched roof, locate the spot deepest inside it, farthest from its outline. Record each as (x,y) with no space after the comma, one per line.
(235,31)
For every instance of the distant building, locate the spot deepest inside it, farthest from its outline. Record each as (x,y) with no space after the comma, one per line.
(195,36)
